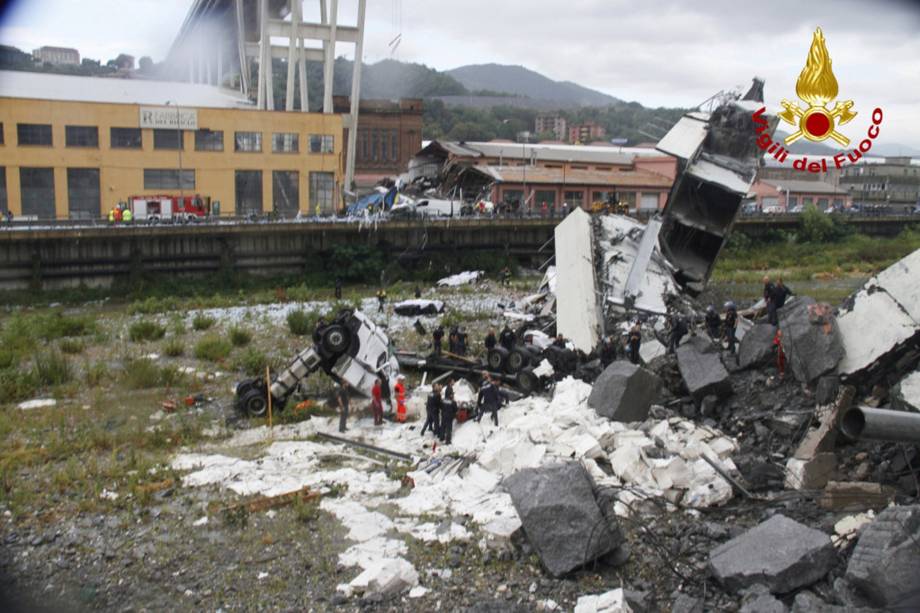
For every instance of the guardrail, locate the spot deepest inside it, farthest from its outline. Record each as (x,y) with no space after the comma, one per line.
(780,219)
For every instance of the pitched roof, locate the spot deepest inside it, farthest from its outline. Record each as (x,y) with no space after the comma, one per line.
(555,176)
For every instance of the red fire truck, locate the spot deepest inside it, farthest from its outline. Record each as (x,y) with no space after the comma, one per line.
(170,209)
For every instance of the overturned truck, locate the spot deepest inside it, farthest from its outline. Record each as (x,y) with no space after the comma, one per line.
(613,264)
(351,348)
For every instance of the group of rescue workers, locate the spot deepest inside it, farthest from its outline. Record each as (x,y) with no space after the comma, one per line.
(441,408)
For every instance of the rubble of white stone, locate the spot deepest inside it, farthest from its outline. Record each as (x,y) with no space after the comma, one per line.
(461,278)
(655,458)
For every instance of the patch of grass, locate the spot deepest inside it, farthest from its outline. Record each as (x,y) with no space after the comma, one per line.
(202,322)
(252,362)
(747,261)
(153,304)
(177,325)
(212,348)
(240,336)
(52,367)
(302,322)
(174,347)
(72,346)
(17,385)
(306,511)
(142,373)
(57,325)
(146,330)
(95,373)
(8,357)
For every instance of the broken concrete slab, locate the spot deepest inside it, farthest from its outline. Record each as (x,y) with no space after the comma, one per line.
(885,564)
(578,314)
(905,396)
(855,496)
(807,602)
(756,348)
(758,599)
(780,554)
(811,338)
(624,392)
(613,601)
(824,437)
(810,474)
(881,319)
(702,371)
(651,349)
(561,517)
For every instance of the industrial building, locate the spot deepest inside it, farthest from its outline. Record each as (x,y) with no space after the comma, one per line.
(73,147)
(771,195)
(887,182)
(554,174)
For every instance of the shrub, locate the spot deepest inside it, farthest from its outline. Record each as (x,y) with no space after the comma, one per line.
(212,348)
(58,325)
(152,305)
(146,330)
(202,322)
(240,336)
(72,346)
(301,322)
(141,374)
(171,376)
(96,373)
(52,367)
(174,348)
(17,385)
(7,358)
(252,362)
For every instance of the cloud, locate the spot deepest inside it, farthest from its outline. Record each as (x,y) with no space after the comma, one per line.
(657,52)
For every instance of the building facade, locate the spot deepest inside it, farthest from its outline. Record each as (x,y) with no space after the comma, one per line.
(389,134)
(777,196)
(551,124)
(643,191)
(893,182)
(587,132)
(78,158)
(57,55)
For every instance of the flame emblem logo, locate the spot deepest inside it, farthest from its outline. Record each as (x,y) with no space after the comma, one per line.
(817,86)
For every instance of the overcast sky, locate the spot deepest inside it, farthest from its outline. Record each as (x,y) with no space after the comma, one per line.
(657,52)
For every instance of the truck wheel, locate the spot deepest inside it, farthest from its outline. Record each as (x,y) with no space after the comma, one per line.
(516,361)
(495,359)
(527,381)
(336,339)
(254,403)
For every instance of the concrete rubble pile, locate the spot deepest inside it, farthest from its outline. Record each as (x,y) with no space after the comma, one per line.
(657,457)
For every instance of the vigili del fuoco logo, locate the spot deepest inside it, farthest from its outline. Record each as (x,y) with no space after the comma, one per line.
(817,87)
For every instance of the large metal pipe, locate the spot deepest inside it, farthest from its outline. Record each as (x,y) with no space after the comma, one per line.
(881,425)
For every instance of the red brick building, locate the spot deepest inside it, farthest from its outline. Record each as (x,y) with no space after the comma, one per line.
(389,134)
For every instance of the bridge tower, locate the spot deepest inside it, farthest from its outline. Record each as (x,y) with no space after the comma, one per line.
(221,40)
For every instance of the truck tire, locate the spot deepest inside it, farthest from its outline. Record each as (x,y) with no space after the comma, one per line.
(517,361)
(254,403)
(527,381)
(336,339)
(496,358)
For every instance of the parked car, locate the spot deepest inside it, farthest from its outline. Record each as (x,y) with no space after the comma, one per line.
(797,209)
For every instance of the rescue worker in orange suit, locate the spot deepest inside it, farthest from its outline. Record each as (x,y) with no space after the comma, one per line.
(400,389)
(377,402)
